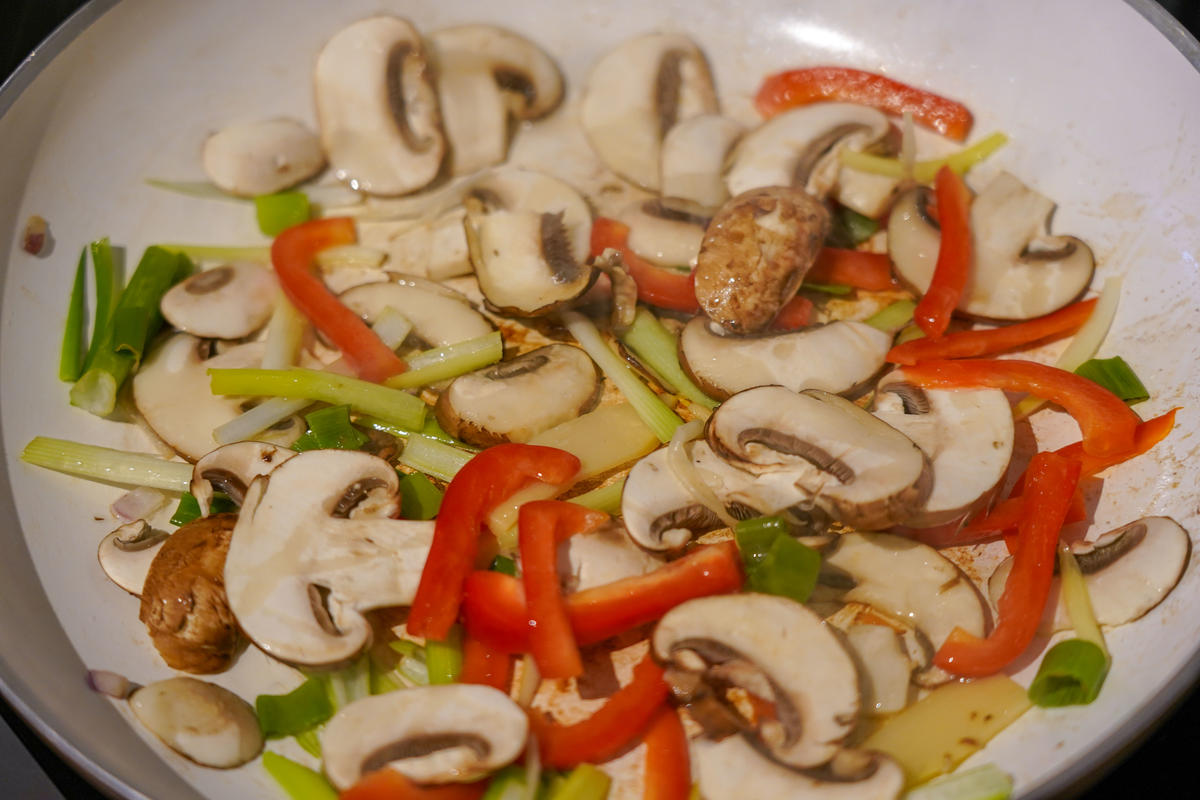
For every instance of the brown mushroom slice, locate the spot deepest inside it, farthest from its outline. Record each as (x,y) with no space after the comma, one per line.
(967,434)
(636,93)
(1019,270)
(662,234)
(517,399)
(755,253)
(438,318)
(226,302)
(377,107)
(529,236)
(314,548)
(775,649)
(600,557)
(801,148)
(840,357)
(1128,571)
(184,606)
(733,769)
(430,734)
(201,721)
(262,157)
(693,160)
(171,391)
(125,554)
(858,469)
(230,469)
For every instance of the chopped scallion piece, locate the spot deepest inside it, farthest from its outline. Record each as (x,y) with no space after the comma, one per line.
(504,565)
(850,228)
(442,363)
(349,683)
(987,782)
(925,171)
(755,537)
(657,348)
(293,713)
(606,498)
(278,212)
(775,562)
(70,360)
(297,780)
(836,289)
(430,430)
(206,252)
(507,784)
(330,429)
(107,464)
(893,317)
(202,189)
(1116,376)
(1071,674)
(310,741)
(188,509)
(419,498)
(444,659)
(433,457)
(585,782)
(104,271)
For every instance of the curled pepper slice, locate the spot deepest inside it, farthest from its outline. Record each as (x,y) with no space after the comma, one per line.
(945,290)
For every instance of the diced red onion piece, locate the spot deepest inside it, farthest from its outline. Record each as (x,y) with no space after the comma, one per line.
(139,503)
(110,683)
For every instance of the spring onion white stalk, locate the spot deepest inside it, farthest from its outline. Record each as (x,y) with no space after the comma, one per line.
(654,345)
(685,471)
(987,782)
(533,769)
(653,411)
(285,331)
(502,521)
(107,464)
(433,457)
(605,498)
(207,252)
(442,363)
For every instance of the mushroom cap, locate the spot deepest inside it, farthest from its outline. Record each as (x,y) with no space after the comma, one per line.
(755,254)
(523,71)
(438,318)
(314,548)
(431,734)
(1019,270)
(636,93)
(517,399)
(199,720)
(232,467)
(779,650)
(262,157)
(226,302)
(693,159)
(125,554)
(840,357)
(378,108)
(662,234)
(860,470)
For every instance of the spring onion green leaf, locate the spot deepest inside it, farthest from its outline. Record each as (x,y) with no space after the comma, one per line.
(207,252)
(442,363)
(70,360)
(1071,674)
(107,464)
(893,317)
(775,562)
(349,683)
(504,565)
(836,289)
(507,784)
(850,229)
(289,714)
(755,537)
(310,741)
(585,782)
(430,430)
(390,405)
(278,212)
(330,429)
(188,509)
(297,780)
(987,782)
(419,498)
(605,498)
(657,348)
(1116,376)
(444,658)
(107,280)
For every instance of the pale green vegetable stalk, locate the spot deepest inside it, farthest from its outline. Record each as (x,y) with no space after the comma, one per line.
(655,347)
(987,782)
(653,411)
(201,189)
(585,782)
(107,464)
(1077,600)
(285,333)
(925,171)
(442,363)
(606,498)
(433,457)
(297,780)
(206,252)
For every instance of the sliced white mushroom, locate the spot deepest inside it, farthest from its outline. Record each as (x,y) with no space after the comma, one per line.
(199,720)
(226,302)
(1128,571)
(636,93)
(378,108)
(1019,270)
(529,235)
(231,468)
(967,434)
(775,649)
(431,734)
(438,318)
(858,469)
(662,234)
(885,666)
(517,399)
(600,557)
(693,159)
(840,357)
(172,392)
(125,554)
(801,147)
(314,548)
(262,157)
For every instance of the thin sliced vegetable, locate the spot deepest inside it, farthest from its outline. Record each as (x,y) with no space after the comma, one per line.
(850,228)
(953,265)
(297,780)
(585,782)
(893,317)
(278,212)
(925,171)
(870,271)
(686,472)
(1071,674)
(486,665)
(1116,376)
(107,464)
(209,252)
(433,456)
(987,782)
(189,508)
(657,286)
(419,498)
(443,363)
(388,784)
(795,314)
(201,189)
(108,292)
(444,659)
(70,359)
(776,563)
(658,349)
(667,773)
(330,429)
(604,498)
(293,713)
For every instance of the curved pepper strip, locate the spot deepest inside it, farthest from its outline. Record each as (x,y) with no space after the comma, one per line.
(657,286)
(292,255)
(611,728)
(857,268)
(798,87)
(484,482)
(945,289)
(495,611)
(1108,425)
(542,525)
(1052,481)
(388,784)
(972,344)
(485,665)
(668,768)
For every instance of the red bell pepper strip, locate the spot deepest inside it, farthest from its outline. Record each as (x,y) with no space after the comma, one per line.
(972,344)
(1108,425)
(795,314)
(542,525)
(292,255)
(485,665)
(495,611)
(483,483)
(798,87)
(388,784)
(857,268)
(1052,481)
(616,724)
(945,290)
(657,286)
(668,768)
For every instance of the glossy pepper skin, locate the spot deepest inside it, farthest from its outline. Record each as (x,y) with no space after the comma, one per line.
(953,266)
(388,784)
(667,774)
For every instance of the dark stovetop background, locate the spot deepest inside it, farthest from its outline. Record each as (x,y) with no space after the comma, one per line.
(1161,766)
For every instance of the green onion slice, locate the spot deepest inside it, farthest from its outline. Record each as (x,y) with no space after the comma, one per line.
(419,498)
(987,782)
(585,782)
(775,562)
(1071,674)
(70,360)
(893,317)
(297,780)
(656,347)
(289,714)
(850,228)
(1116,376)
(280,211)
(444,659)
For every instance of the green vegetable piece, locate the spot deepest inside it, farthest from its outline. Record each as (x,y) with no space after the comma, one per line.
(330,429)
(280,211)
(293,713)
(419,498)
(585,782)
(504,565)
(297,780)
(836,289)
(1115,375)
(507,784)
(70,360)
(894,317)
(657,349)
(775,562)
(1071,674)
(104,271)
(988,782)
(755,537)
(444,659)
(850,229)
(188,509)
(604,498)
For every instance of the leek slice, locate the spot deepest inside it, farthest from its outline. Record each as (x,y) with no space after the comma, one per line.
(433,457)
(892,318)
(1116,376)
(444,659)
(605,498)
(585,782)
(297,780)
(207,252)
(442,363)
(107,464)
(658,349)
(70,359)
